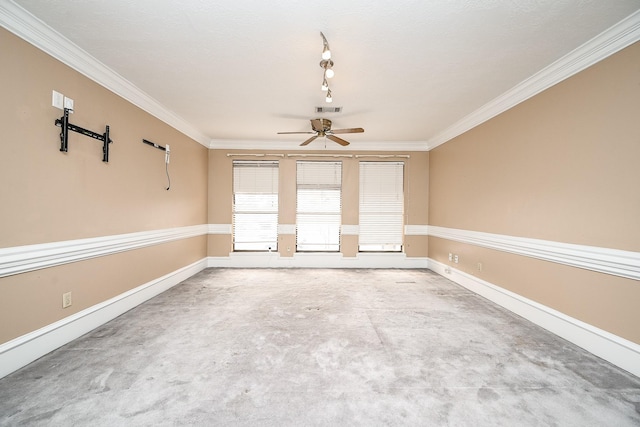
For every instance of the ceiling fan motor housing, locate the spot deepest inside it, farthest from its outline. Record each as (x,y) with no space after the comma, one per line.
(326,125)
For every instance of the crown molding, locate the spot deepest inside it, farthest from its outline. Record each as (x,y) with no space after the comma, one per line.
(610,41)
(231,144)
(34,31)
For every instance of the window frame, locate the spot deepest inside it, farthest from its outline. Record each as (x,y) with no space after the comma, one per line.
(306,184)
(375,194)
(258,187)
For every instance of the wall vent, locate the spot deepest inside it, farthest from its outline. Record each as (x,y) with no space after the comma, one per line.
(328,109)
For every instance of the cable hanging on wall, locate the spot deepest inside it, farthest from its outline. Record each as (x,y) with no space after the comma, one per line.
(167,153)
(63,122)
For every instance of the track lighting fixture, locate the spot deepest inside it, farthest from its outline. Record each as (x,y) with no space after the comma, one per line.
(327,65)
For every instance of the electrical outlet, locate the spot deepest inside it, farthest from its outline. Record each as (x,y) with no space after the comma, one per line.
(455,259)
(479,266)
(68,104)
(66,300)
(450,256)
(57,100)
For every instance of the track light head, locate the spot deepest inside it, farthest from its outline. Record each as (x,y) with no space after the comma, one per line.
(327,64)
(326,51)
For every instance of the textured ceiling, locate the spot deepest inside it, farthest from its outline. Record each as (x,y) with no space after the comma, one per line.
(405,70)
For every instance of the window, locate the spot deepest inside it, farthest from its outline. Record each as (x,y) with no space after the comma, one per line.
(318,212)
(255,205)
(381,206)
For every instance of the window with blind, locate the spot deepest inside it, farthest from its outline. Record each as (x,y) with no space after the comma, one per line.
(255,205)
(381,206)
(318,208)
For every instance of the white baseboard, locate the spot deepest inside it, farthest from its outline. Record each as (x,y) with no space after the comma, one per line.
(23,350)
(612,348)
(317,260)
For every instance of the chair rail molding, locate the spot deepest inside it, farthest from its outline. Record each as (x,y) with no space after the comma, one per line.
(21,259)
(603,260)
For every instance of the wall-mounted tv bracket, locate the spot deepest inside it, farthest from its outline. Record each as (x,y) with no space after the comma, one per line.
(63,122)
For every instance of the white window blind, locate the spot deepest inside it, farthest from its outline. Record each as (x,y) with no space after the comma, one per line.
(318,211)
(255,205)
(381,206)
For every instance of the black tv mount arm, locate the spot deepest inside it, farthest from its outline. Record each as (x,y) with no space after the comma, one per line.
(63,122)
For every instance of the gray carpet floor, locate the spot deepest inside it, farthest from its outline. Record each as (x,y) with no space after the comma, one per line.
(319,347)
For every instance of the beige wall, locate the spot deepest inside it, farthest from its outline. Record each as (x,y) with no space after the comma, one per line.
(562,166)
(49,196)
(221,195)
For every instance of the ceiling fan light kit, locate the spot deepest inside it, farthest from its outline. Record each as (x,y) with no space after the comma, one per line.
(322,127)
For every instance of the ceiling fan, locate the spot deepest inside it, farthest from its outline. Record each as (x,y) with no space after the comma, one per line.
(322,127)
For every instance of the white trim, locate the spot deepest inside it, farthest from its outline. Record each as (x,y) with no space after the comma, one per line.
(287,229)
(21,259)
(416,230)
(610,41)
(31,29)
(253,155)
(383,156)
(231,144)
(23,350)
(350,230)
(316,260)
(320,155)
(610,347)
(220,229)
(603,260)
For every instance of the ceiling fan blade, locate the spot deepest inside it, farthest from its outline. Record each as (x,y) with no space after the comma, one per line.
(316,124)
(309,140)
(338,140)
(290,133)
(350,130)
